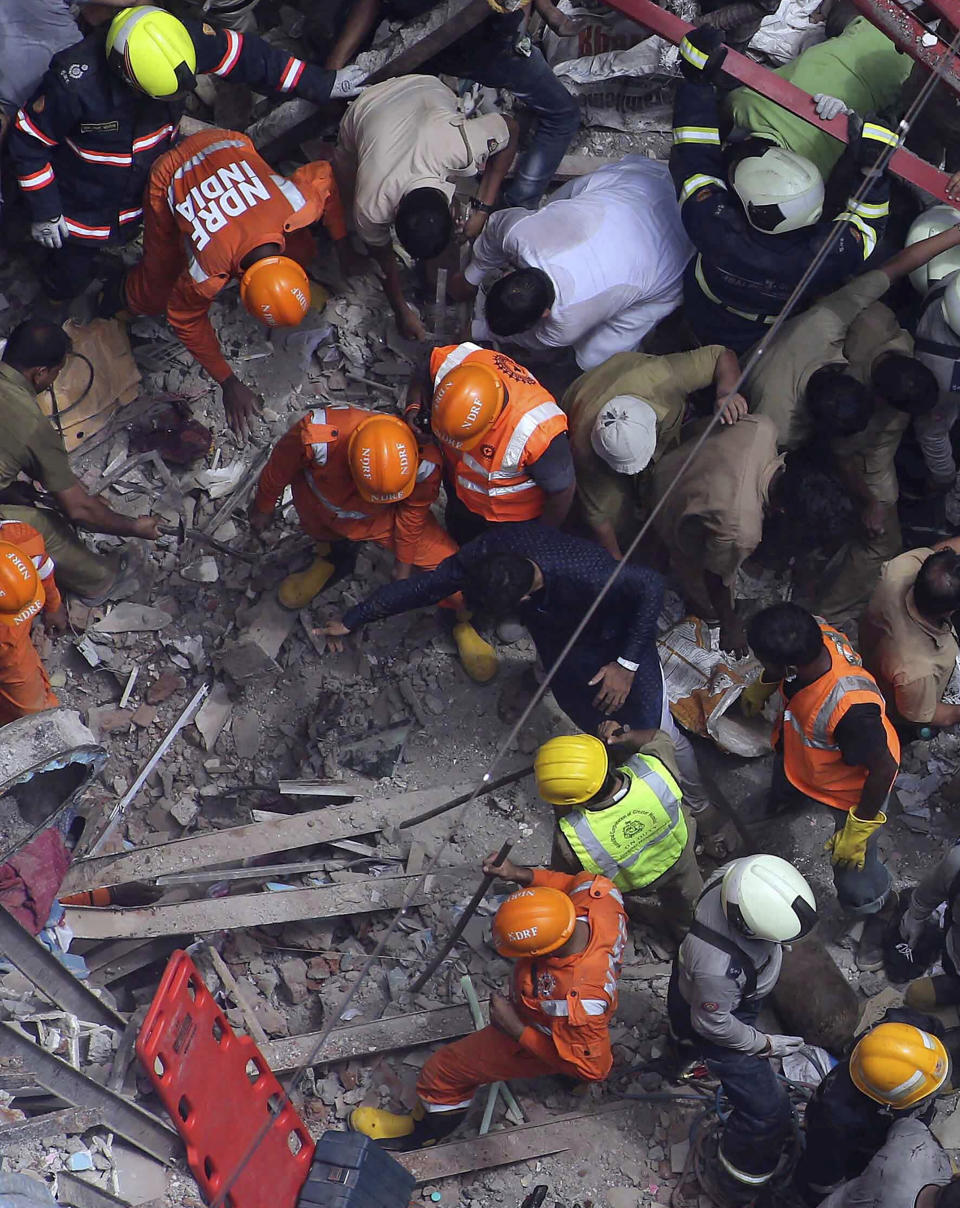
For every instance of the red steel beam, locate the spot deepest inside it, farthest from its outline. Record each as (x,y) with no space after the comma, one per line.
(668,25)
(912,36)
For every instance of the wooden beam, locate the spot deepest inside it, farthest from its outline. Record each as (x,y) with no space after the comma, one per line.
(78,1193)
(68,1122)
(246,910)
(278,131)
(258,839)
(502,1148)
(407,61)
(366,1039)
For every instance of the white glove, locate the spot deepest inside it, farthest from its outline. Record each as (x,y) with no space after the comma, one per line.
(782,1046)
(911,929)
(348,82)
(51,232)
(830,106)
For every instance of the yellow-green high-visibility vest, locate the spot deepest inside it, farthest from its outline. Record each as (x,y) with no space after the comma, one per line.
(639,837)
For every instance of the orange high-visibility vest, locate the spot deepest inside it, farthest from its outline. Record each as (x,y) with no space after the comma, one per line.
(326,432)
(573,999)
(491,478)
(811,758)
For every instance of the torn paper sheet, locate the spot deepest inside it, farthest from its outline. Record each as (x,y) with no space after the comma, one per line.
(701,686)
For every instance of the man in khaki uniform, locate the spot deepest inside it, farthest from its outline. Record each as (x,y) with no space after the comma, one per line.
(34,355)
(877,349)
(401,146)
(907,639)
(845,369)
(712,519)
(626,413)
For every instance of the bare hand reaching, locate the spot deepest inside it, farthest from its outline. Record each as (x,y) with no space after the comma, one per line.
(615,683)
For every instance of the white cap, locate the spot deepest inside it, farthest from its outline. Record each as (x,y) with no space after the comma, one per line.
(625,434)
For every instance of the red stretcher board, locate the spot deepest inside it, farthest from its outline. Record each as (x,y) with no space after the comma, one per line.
(220,1092)
(668,25)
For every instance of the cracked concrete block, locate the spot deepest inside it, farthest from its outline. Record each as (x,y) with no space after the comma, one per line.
(128,617)
(213,715)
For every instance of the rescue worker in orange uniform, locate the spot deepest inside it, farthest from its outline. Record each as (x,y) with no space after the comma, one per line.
(27,587)
(359,475)
(214,211)
(836,747)
(566,934)
(504,439)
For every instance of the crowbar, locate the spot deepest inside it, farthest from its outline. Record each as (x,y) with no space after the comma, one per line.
(469,911)
(182,534)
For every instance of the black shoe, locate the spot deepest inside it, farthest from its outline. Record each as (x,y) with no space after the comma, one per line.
(870,950)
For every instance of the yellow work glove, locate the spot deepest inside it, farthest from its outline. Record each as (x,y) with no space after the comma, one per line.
(756,695)
(849,846)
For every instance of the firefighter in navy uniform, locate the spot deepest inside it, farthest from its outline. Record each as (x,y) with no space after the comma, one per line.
(756,222)
(108,108)
(727,965)
(894,1071)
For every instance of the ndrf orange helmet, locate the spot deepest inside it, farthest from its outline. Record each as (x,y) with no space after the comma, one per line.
(21,592)
(533,922)
(383,459)
(466,405)
(276,291)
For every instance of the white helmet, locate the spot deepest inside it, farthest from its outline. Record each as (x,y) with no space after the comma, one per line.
(950,302)
(780,190)
(765,898)
(932,222)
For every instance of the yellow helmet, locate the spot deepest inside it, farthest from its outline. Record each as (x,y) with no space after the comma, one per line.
(897,1065)
(153,52)
(571,769)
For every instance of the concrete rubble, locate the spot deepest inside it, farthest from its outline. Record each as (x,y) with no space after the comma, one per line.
(391,713)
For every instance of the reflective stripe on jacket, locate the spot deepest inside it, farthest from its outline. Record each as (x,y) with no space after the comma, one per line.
(638,838)
(812,760)
(83,146)
(491,478)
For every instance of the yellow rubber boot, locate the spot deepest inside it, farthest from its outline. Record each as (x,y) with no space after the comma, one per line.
(296,591)
(383,1125)
(478,657)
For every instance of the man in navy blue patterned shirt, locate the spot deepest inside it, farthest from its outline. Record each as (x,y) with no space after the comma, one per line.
(549,579)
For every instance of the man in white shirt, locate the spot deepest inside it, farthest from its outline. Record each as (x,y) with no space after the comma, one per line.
(595,269)
(401,146)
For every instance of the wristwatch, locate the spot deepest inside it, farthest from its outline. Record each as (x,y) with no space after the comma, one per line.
(482,206)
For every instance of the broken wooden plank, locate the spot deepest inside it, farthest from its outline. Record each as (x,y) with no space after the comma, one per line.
(319,788)
(111,961)
(69,1122)
(249,872)
(238,842)
(469,17)
(502,1148)
(366,1039)
(277,131)
(245,910)
(78,1193)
